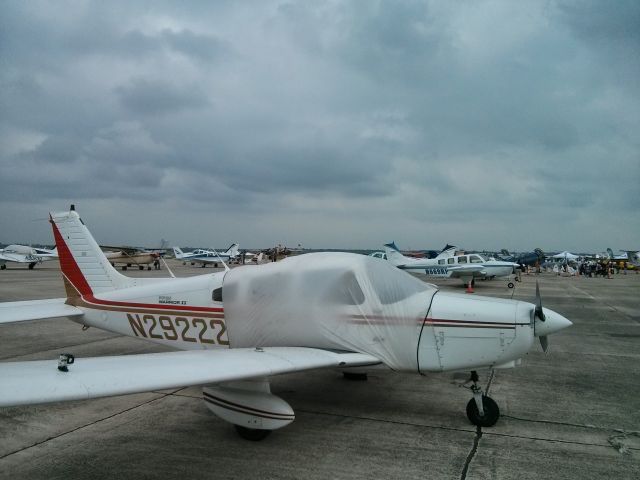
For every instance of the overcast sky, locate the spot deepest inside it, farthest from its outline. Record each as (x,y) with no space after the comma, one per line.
(486,124)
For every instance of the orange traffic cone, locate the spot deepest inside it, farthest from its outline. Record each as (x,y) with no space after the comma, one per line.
(470,286)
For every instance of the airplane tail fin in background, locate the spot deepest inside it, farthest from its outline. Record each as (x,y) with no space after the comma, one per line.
(84,266)
(233,250)
(447,251)
(178,253)
(610,253)
(394,255)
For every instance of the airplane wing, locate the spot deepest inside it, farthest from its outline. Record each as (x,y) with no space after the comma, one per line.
(12,312)
(32,382)
(124,249)
(17,258)
(465,270)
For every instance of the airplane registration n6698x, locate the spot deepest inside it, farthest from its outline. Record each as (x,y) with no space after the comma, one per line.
(235,329)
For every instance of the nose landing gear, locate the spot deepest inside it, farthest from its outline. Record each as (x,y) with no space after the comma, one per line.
(482,410)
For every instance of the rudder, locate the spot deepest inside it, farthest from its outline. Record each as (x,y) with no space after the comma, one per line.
(82,262)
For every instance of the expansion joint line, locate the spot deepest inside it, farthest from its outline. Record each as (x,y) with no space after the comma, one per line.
(164,395)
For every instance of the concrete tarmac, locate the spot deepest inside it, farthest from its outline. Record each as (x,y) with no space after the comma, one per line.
(573,413)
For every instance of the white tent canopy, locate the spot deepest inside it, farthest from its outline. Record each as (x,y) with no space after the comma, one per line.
(565,255)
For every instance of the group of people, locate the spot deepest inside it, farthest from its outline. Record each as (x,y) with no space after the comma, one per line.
(605,269)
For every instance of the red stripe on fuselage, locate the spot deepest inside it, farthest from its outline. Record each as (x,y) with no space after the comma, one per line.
(68,264)
(157,306)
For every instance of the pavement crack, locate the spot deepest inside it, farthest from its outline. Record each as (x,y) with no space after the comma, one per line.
(472,453)
(84,426)
(618,442)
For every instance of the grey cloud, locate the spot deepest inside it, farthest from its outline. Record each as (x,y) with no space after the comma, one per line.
(158,97)
(470,119)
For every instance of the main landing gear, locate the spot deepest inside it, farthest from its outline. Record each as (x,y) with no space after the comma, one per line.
(482,410)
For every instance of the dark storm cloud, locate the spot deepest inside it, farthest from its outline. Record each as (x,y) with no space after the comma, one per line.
(433,121)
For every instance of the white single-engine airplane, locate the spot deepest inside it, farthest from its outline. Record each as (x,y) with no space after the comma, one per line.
(207,256)
(446,264)
(239,327)
(24,254)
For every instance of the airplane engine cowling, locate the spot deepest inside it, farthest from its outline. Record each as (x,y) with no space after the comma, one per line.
(463,332)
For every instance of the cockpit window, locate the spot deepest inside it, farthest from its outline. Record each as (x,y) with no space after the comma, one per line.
(476,259)
(345,291)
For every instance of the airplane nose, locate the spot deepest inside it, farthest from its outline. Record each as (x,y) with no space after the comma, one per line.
(553,322)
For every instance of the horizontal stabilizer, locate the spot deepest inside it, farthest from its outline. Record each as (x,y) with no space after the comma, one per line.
(11,312)
(34,382)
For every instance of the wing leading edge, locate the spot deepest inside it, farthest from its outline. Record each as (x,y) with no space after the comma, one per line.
(33,382)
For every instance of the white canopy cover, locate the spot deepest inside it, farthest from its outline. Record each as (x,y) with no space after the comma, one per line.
(565,254)
(337,301)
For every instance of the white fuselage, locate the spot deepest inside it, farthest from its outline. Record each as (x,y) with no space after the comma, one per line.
(437,331)
(445,267)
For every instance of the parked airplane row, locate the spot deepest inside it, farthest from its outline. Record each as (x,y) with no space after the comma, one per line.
(237,328)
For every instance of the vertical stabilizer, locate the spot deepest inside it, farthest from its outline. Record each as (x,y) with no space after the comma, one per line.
(178,253)
(233,250)
(447,251)
(82,262)
(394,255)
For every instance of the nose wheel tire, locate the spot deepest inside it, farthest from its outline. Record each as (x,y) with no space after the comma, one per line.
(491,412)
(510,285)
(253,434)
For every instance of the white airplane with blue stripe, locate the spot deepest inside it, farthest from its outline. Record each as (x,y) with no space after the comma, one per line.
(448,265)
(205,257)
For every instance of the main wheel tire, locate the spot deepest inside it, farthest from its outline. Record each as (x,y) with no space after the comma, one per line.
(491,412)
(510,285)
(253,434)
(31,265)
(140,267)
(3,267)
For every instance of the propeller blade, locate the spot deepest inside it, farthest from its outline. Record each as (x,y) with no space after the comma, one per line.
(539,312)
(544,343)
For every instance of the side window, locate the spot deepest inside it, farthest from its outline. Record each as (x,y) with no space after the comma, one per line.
(451,260)
(216,296)
(462,259)
(441,261)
